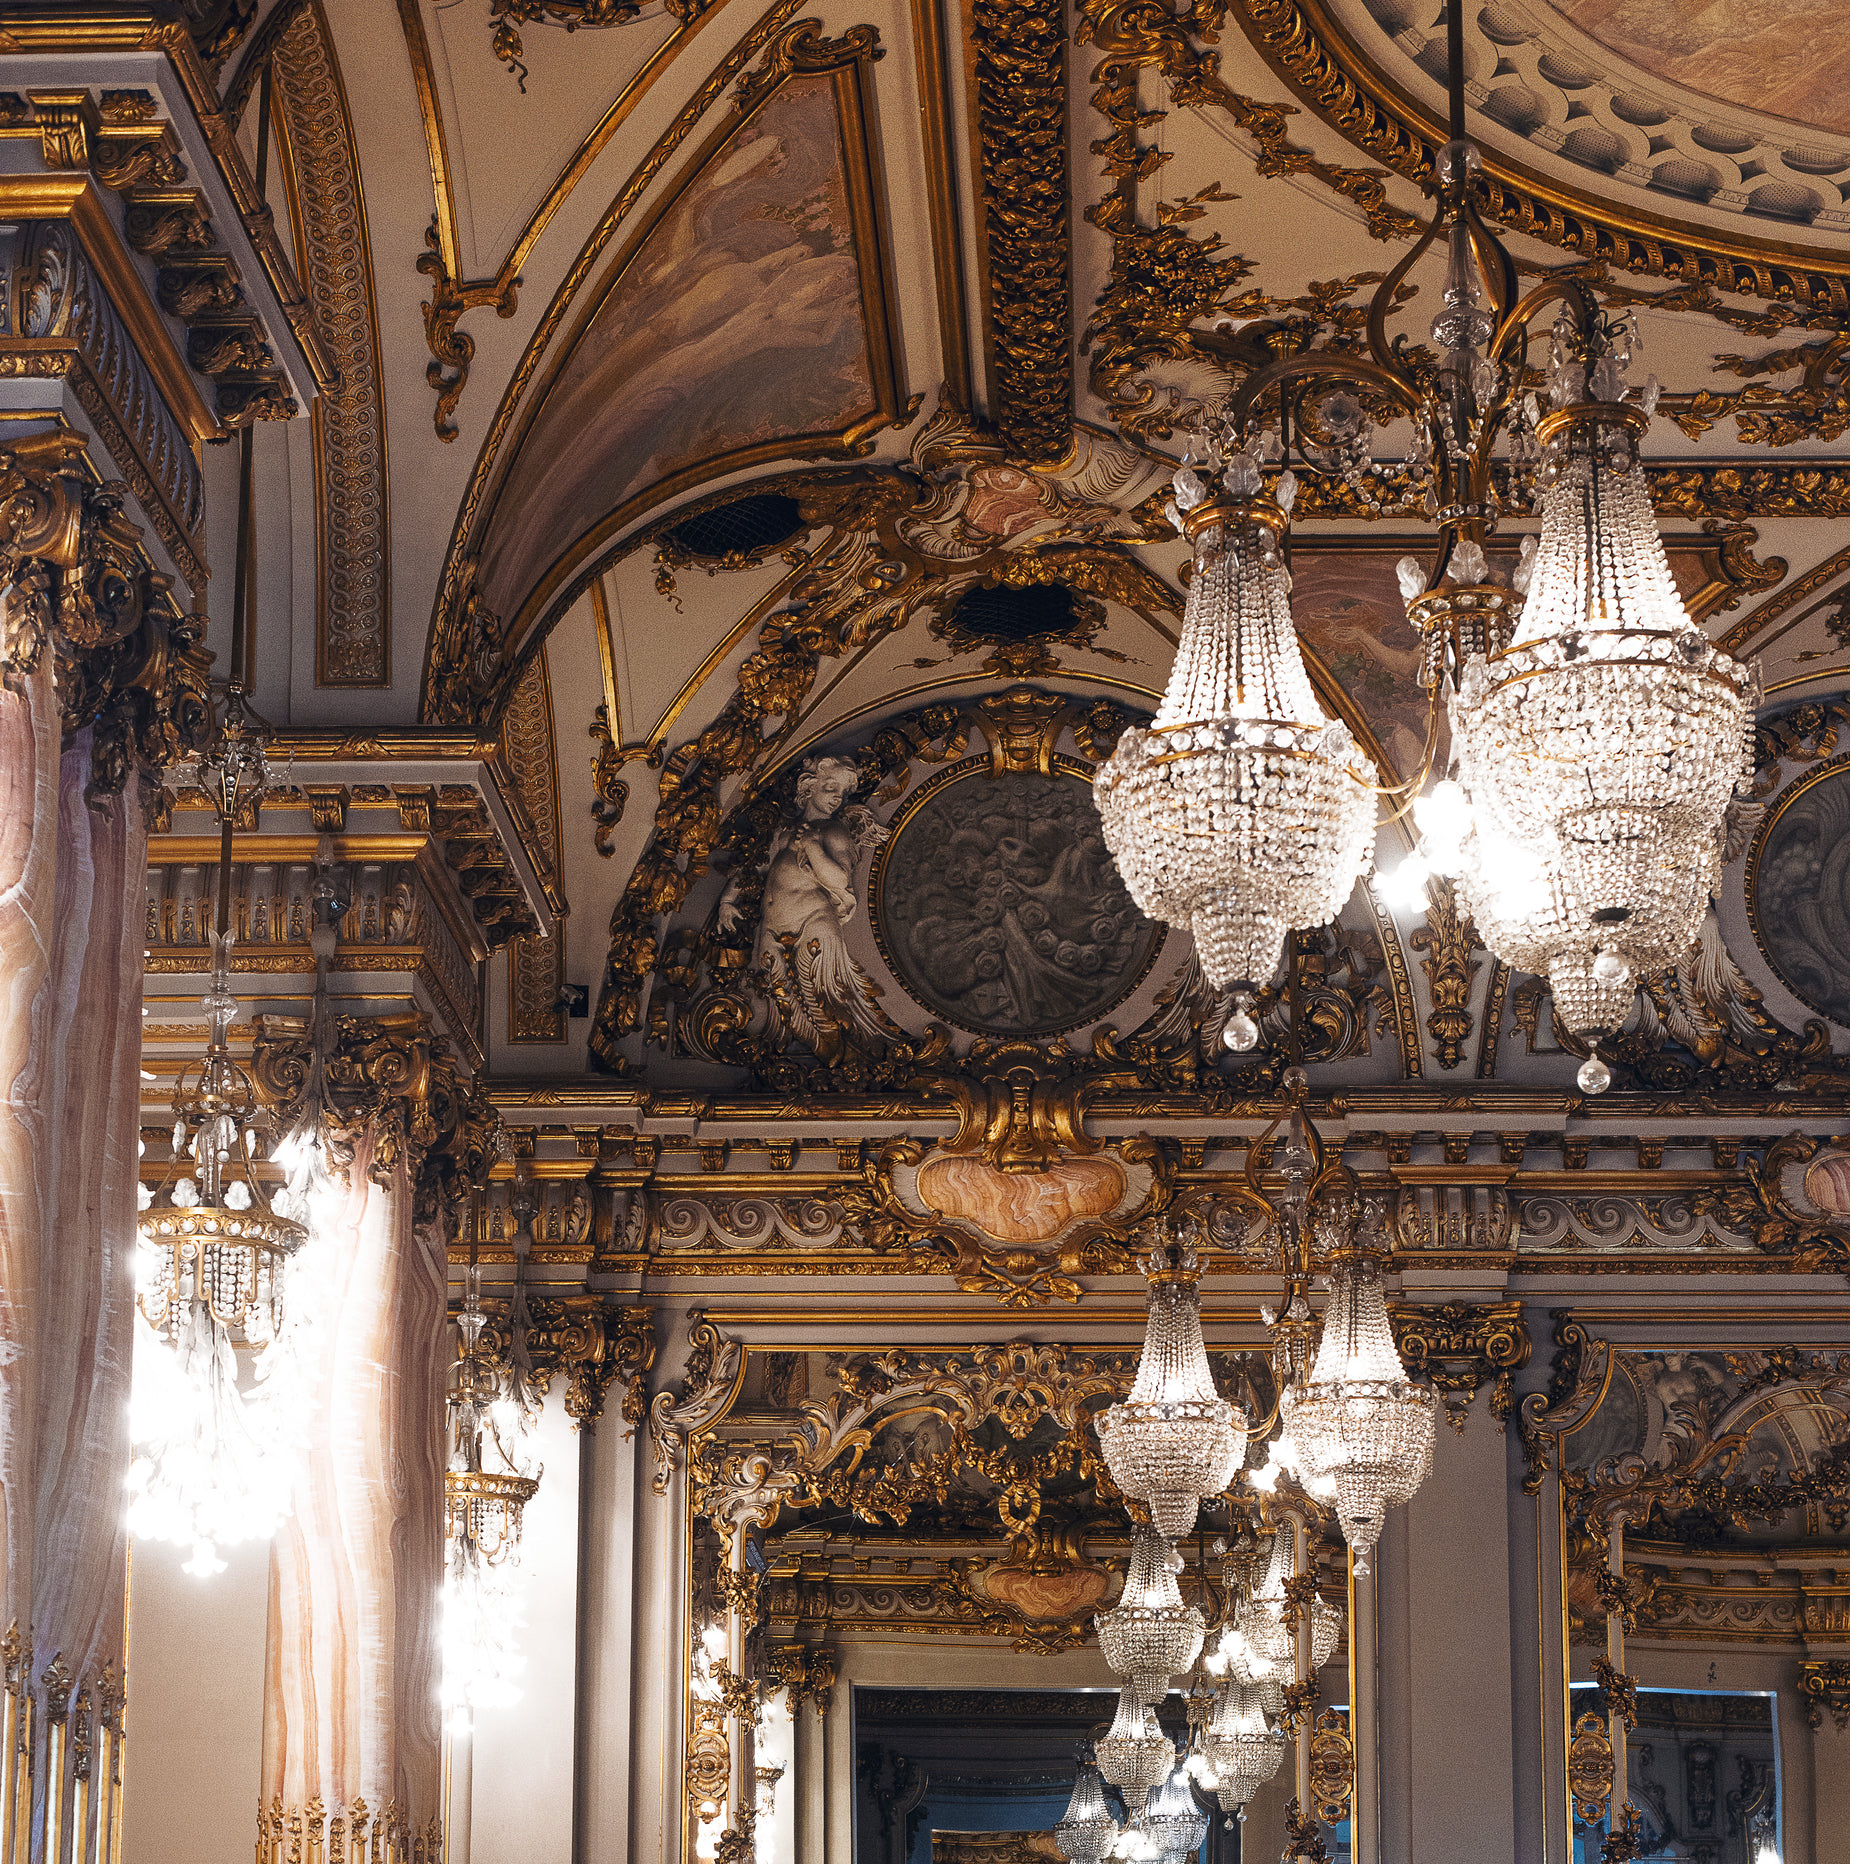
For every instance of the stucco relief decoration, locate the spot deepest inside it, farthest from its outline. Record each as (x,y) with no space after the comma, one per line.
(1000,907)
(1799,889)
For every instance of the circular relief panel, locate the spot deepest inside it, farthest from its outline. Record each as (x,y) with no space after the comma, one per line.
(998,906)
(1798,889)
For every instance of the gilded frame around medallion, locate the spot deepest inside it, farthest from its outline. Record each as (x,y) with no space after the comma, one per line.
(1750,877)
(979,768)
(799,52)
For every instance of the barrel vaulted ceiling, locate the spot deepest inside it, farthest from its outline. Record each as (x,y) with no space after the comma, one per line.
(935,283)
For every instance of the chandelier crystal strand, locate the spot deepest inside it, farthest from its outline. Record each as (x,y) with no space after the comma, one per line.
(1244,811)
(1150,1634)
(1360,1423)
(1136,1754)
(486,1490)
(1175,1439)
(1608,738)
(1086,1829)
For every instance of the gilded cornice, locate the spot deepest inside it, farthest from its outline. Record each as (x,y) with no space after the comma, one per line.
(126,662)
(58,34)
(1303,42)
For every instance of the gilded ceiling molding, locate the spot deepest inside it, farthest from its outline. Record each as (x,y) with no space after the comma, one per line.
(1162,281)
(1019,49)
(536,966)
(334,256)
(506,17)
(1795,592)
(1302,41)
(459,629)
(77,584)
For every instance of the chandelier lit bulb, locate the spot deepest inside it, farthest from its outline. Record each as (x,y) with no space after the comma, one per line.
(1244,811)
(1175,1439)
(1150,1634)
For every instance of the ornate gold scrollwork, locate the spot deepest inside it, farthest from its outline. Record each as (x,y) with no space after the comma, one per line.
(1448,938)
(1460,1348)
(1332,1766)
(807,1671)
(1590,1768)
(128,664)
(1824,1688)
(593,1342)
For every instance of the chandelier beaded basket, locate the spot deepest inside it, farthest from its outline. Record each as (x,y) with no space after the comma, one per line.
(1244,811)
(1136,1754)
(1359,1423)
(1173,1824)
(1243,1750)
(1087,1830)
(1174,1439)
(1150,1634)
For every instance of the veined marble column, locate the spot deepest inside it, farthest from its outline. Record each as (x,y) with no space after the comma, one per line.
(71,880)
(352,1722)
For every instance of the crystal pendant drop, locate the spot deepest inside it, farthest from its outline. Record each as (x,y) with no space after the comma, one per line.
(1243,811)
(1594,1076)
(1175,1439)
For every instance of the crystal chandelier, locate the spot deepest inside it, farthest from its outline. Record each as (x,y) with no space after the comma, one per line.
(1241,1748)
(1358,1425)
(1268,1647)
(1086,1830)
(1150,1635)
(212,1467)
(485,1491)
(1173,1825)
(1136,1754)
(1598,736)
(1175,1439)
(1243,812)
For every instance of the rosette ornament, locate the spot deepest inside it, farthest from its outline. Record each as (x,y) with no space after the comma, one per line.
(1243,812)
(1086,1829)
(1150,1635)
(1136,1754)
(1601,748)
(1175,1439)
(1359,1423)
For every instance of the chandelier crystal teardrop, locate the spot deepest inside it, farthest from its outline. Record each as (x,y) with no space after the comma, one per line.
(1244,812)
(1086,1830)
(1175,1439)
(1150,1634)
(1359,1424)
(1136,1754)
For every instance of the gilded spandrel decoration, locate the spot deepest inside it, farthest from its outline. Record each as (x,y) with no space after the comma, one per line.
(506,17)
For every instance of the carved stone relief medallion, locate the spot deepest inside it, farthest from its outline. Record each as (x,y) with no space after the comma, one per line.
(998,906)
(1798,889)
